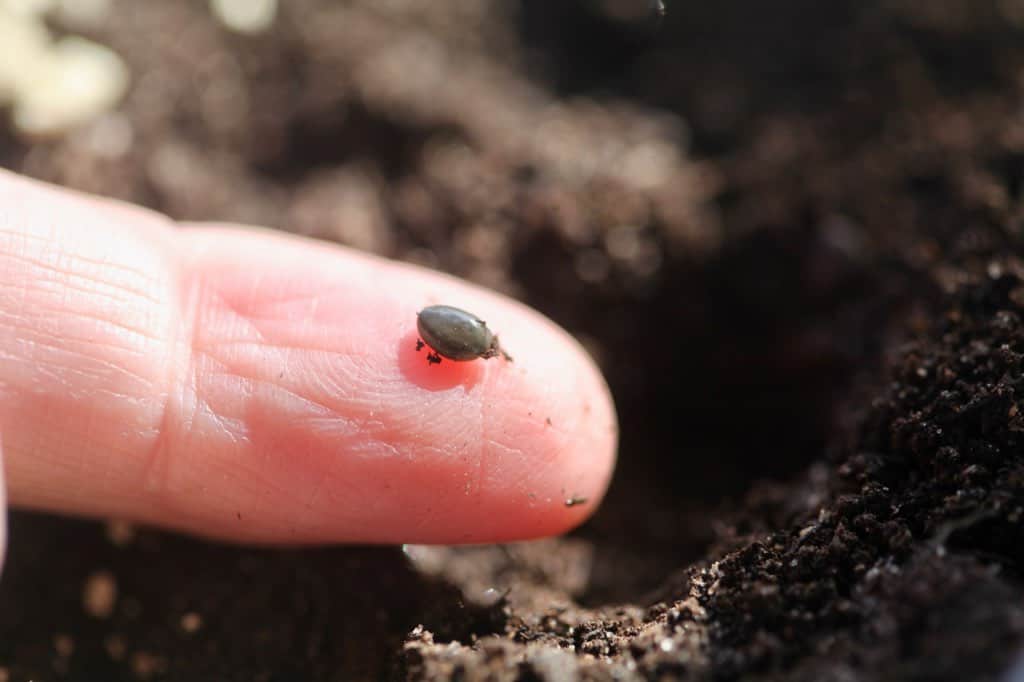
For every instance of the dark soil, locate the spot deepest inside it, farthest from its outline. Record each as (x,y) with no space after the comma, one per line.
(789,231)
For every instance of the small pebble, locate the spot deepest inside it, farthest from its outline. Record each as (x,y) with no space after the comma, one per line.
(245,16)
(145,665)
(120,533)
(191,622)
(100,594)
(64,645)
(73,82)
(116,647)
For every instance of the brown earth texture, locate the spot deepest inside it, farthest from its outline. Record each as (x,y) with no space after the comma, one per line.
(789,231)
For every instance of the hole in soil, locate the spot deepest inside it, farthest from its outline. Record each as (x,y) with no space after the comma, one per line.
(1010,167)
(593,50)
(726,374)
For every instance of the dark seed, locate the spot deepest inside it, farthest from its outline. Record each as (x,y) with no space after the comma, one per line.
(575,500)
(456,334)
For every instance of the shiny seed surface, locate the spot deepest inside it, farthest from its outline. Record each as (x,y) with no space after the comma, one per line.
(456,334)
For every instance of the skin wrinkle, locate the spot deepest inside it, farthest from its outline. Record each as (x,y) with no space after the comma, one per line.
(376,449)
(59,339)
(209,422)
(261,345)
(70,279)
(252,327)
(180,388)
(322,411)
(431,424)
(55,373)
(218,314)
(108,266)
(72,368)
(101,321)
(483,450)
(294,397)
(277,324)
(353,383)
(217,306)
(307,326)
(363,276)
(290,311)
(114,295)
(56,337)
(232,428)
(59,312)
(510,454)
(106,356)
(163,484)
(302,401)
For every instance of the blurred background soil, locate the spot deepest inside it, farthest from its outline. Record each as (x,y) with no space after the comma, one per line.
(789,232)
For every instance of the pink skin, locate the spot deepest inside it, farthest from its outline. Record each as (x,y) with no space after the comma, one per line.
(250,386)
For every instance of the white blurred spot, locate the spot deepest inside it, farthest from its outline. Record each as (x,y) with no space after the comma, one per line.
(27,7)
(83,13)
(24,41)
(99,594)
(74,82)
(245,16)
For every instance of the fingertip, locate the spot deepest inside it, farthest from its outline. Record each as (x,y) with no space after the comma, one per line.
(281,398)
(548,431)
(456,452)
(566,411)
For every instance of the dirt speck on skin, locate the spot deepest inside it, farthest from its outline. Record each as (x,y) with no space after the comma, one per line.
(801,275)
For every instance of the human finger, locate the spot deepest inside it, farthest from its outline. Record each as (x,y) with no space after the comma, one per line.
(249,385)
